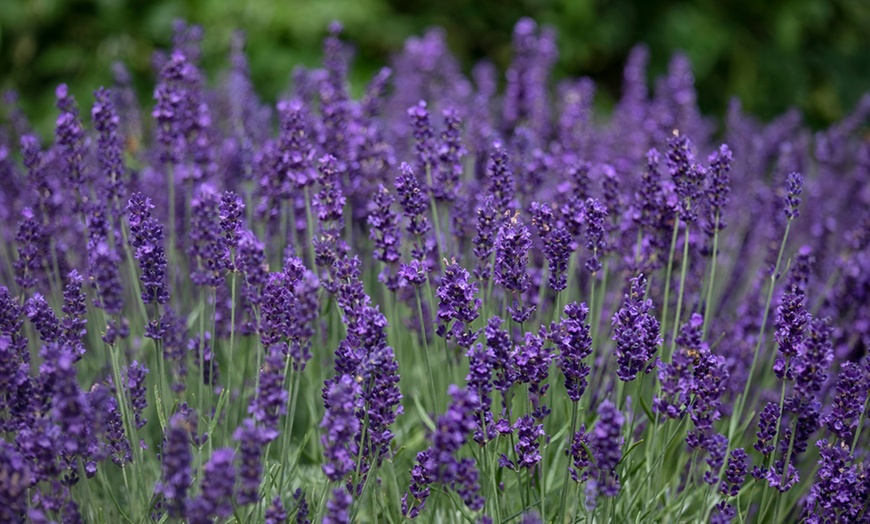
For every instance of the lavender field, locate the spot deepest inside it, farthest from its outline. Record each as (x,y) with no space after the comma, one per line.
(455,299)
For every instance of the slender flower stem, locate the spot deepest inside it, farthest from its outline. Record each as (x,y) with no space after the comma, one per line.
(684,266)
(434,398)
(668,272)
(708,312)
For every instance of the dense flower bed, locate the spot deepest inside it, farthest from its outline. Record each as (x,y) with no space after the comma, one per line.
(440,301)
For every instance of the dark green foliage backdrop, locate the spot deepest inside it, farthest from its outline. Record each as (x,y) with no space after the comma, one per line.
(812,54)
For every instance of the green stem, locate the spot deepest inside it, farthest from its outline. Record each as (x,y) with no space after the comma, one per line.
(684,266)
(707,311)
(426,352)
(668,272)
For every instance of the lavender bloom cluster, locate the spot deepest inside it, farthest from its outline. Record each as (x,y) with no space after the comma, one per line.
(241,310)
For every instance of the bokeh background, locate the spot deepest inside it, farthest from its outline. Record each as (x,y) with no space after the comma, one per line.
(773,54)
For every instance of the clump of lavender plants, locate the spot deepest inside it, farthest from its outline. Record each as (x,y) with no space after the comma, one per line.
(438,302)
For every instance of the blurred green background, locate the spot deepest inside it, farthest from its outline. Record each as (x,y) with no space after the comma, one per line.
(773,54)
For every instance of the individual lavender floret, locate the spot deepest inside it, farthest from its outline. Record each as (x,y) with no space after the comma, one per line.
(384,224)
(342,400)
(110,154)
(557,244)
(251,440)
(301,508)
(848,402)
(608,447)
(338,507)
(136,375)
(724,514)
(688,177)
(794,186)
(74,324)
(457,303)
(450,153)
(636,331)
(500,182)
(414,273)
(29,241)
(424,139)
(735,473)
(208,248)
(718,187)
(270,403)
(146,238)
(177,459)
(572,336)
(512,244)
(218,482)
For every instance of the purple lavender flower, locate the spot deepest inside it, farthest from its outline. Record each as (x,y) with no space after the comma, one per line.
(230,212)
(338,507)
(488,222)
(29,240)
(481,361)
(724,513)
(440,464)
(557,244)
(572,336)
(342,400)
(636,331)
(43,318)
(767,422)
(735,473)
(415,205)
(71,138)
(500,182)
(528,446)
(177,459)
(207,247)
(582,461)
(110,153)
(136,375)
(457,303)
(688,177)
(384,227)
(531,361)
(119,444)
(607,436)
(218,482)
(709,376)
(791,320)
(595,215)
(73,326)
(424,139)
(275,513)
(717,447)
(301,508)
(848,403)
(18,480)
(794,186)
(414,273)
(512,244)
(271,399)
(718,187)
(294,155)
(147,241)
(449,153)
(329,204)
(251,440)
(836,495)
